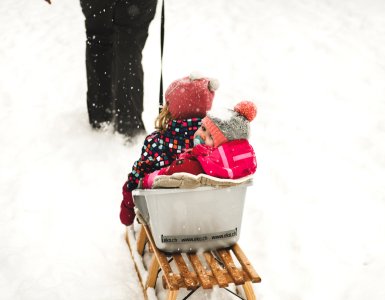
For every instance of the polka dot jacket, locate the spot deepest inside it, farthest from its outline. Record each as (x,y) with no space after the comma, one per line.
(160,149)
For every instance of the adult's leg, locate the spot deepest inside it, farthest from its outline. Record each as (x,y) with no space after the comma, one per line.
(99,46)
(131,21)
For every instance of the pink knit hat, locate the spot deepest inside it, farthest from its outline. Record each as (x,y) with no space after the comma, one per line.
(191,97)
(227,125)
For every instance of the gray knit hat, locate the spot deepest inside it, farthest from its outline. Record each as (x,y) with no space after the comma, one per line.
(227,125)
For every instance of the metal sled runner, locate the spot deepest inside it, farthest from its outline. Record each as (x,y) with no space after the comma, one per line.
(191,236)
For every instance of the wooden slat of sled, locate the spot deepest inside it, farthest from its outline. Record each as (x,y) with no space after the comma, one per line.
(171,295)
(190,278)
(219,273)
(210,275)
(249,291)
(152,273)
(141,241)
(245,263)
(136,267)
(235,273)
(202,274)
(170,277)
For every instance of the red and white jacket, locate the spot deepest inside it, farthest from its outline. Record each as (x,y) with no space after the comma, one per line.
(233,159)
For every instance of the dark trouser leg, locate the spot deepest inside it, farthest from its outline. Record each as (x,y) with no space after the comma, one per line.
(99,57)
(131,22)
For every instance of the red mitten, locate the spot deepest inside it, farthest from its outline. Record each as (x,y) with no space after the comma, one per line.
(127,213)
(188,165)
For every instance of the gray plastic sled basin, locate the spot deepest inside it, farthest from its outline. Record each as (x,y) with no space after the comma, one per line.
(193,220)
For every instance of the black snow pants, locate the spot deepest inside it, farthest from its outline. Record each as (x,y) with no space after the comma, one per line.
(116,34)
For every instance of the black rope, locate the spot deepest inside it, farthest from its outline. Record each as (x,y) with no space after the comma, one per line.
(218,260)
(234,294)
(161,58)
(189,294)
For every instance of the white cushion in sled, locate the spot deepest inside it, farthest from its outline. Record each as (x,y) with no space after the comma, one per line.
(190,181)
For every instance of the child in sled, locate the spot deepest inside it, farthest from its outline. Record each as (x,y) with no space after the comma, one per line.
(221,148)
(187,102)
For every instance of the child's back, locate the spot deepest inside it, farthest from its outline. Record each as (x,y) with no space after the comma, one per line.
(187,101)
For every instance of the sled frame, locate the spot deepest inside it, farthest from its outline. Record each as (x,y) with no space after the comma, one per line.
(219,267)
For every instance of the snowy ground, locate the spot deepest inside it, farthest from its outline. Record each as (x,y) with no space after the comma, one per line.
(314,223)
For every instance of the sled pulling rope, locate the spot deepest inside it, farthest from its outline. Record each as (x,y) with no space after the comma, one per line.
(184,258)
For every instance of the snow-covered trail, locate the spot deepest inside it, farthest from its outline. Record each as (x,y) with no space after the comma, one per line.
(314,222)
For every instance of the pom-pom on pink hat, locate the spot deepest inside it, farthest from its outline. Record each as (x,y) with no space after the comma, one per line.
(191,97)
(227,125)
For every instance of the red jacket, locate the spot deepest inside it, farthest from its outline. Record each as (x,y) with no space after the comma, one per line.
(233,159)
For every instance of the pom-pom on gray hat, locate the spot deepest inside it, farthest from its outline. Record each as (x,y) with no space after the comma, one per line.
(227,125)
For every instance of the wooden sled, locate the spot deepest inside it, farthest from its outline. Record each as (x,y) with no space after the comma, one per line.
(182,268)
(223,269)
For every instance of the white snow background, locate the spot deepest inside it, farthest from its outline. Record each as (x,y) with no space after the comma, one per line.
(314,221)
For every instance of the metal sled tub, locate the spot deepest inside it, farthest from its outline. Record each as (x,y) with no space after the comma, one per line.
(193,220)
